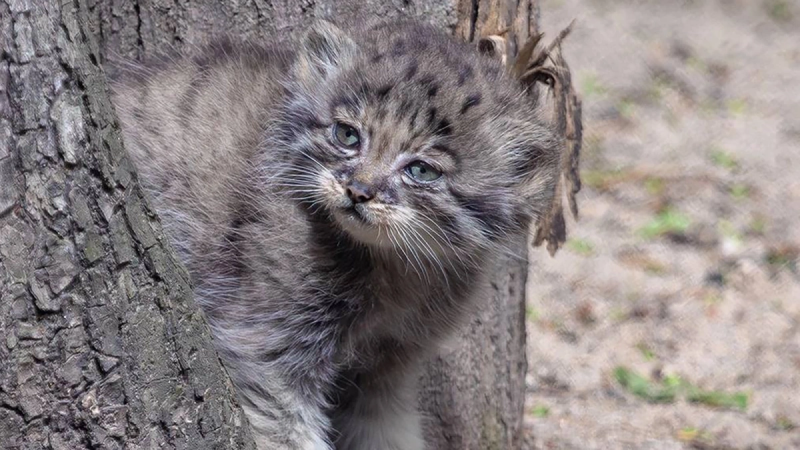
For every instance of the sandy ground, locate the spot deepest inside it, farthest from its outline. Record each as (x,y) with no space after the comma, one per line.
(683,268)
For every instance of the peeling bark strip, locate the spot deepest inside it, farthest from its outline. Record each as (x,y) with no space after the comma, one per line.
(100,345)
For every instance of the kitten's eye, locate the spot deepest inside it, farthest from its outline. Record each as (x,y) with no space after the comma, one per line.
(422,171)
(346,135)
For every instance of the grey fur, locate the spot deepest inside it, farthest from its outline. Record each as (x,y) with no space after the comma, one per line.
(322,310)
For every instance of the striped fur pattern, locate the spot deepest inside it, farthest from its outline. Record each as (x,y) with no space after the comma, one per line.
(323,305)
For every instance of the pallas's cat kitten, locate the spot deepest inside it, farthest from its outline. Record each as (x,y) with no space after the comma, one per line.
(337,202)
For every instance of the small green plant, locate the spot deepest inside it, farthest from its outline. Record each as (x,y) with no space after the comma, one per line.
(602,180)
(581,247)
(779,10)
(711,300)
(697,64)
(626,109)
(740,191)
(644,388)
(688,434)
(654,185)
(673,386)
(540,411)
(697,438)
(591,85)
(668,221)
(757,225)
(657,89)
(737,106)
(717,399)
(723,159)
(618,314)
(532,314)
(784,424)
(646,351)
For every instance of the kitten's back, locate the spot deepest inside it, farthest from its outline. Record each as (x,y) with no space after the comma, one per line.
(191,125)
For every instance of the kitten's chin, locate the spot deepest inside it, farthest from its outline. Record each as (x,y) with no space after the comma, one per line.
(360,230)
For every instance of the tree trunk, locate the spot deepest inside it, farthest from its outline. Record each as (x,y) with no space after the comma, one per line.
(101,344)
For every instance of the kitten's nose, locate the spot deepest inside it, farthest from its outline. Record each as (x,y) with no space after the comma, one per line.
(359,192)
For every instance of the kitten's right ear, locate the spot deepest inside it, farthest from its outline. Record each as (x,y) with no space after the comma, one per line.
(494,46)
(324,49)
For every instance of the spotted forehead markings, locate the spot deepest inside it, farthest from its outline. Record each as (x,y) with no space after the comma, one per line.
(471,101)
(429,83)
(464,74)
(443,128)
(398,48)
(431,115)
(349,101)
(384,90)
(412,120)
(411,70)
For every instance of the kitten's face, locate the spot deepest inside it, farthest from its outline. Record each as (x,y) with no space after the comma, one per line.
(409,140)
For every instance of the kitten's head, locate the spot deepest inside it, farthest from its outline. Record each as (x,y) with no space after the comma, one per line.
(405,137)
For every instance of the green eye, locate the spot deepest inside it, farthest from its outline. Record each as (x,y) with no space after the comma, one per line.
(346,135)
(422,171)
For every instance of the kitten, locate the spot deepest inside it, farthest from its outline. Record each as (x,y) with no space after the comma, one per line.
(337,201)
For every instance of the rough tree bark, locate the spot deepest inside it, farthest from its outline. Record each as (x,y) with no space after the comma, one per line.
(100,343)
(102,346)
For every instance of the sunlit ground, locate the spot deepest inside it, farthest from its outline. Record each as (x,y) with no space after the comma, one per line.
(672,318)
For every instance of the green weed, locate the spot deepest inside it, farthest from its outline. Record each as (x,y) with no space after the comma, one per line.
(740,191)
(532,314)
(581,247)
(644,388)
(737,106)
(784,424)
(591,86)
(779,10)
(654,186)
(723,159)
(717,399)
(668,221)
(757,225)
(673,386)
(603,180)
(540,411)
(646,352)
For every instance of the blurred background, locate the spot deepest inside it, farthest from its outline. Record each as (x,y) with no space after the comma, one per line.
(671,319)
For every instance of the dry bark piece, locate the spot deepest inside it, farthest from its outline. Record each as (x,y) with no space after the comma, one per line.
(548,67)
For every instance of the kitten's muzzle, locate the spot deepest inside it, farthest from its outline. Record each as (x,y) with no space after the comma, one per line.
(359,192)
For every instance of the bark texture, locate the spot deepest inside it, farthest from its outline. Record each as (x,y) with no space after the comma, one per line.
(101,345)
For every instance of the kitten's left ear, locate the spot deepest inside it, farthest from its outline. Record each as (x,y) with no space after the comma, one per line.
(324,49)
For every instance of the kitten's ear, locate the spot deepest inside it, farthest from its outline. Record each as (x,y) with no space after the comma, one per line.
(494,46)
(324,49)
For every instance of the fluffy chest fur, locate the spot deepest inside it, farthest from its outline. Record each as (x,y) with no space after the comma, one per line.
(365,300)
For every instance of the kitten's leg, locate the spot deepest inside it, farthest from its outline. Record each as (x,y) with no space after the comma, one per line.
(280,417)
(380,413)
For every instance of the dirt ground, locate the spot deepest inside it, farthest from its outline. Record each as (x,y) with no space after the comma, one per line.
(672,318)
